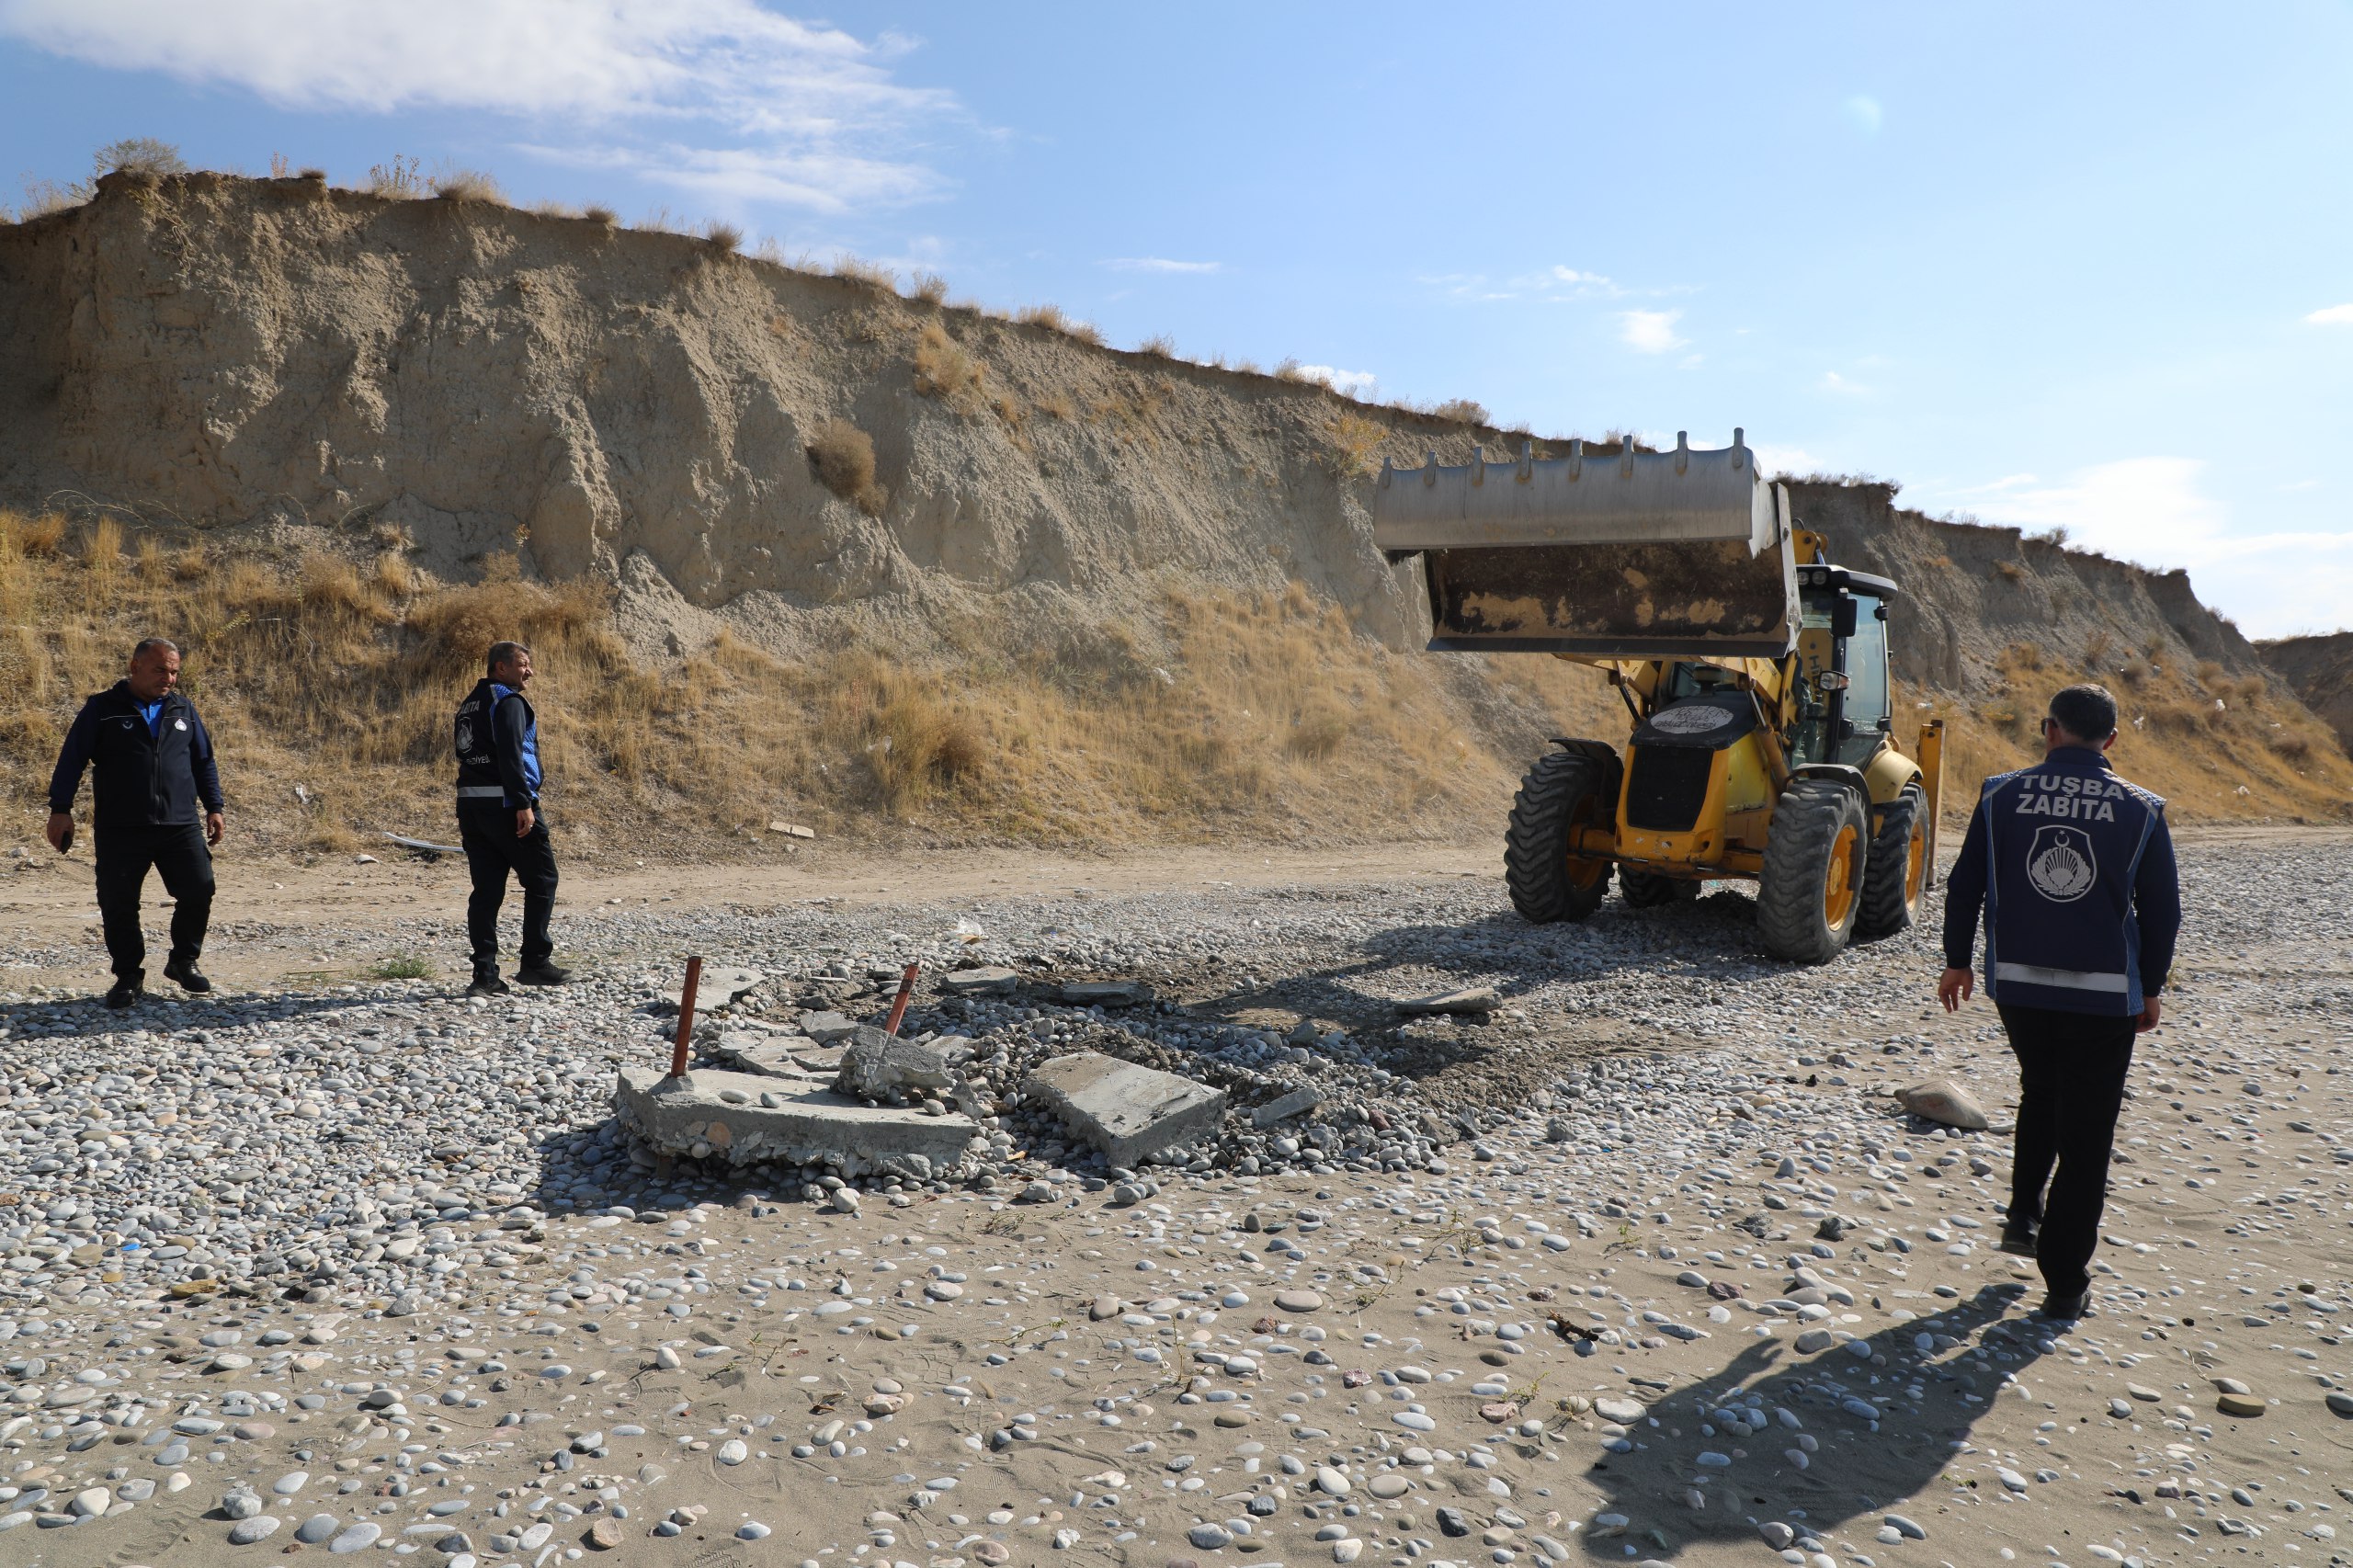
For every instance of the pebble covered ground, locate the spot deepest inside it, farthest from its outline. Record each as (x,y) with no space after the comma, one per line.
(1643,1264)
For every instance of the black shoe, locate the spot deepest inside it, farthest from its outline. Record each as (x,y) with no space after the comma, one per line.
(126,993)
(2066,1308)
(187,977)
(542,974)
(487,983)
(2017,1239)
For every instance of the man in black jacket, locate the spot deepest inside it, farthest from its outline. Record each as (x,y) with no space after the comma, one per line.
(499,822)
(152,765)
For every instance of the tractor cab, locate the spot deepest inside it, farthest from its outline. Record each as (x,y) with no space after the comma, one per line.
(1844,711)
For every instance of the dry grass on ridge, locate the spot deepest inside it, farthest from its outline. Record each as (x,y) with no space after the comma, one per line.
(1263,717)
(1259,718)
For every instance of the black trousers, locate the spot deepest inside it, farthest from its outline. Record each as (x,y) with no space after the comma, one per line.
(487,833)
(180,855)
(2071,1067)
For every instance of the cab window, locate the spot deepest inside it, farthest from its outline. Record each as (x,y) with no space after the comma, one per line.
(1867,702)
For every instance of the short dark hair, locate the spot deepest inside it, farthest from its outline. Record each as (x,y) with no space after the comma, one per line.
(2085,711)
(149,645)
(503,653)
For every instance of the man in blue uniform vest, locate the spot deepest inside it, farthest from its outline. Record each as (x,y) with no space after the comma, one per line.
(152,768)
(500,823)
(2073,871)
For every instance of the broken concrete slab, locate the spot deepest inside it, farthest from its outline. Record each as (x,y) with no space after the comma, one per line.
(1296,1103)
(978,983)
(815,1057)
(1130,1113)
(883,1067)
(827,1028)
(771,1056)
(719,986)
(747,1119)
(1104,993)
(1942,1100)
(1472,999)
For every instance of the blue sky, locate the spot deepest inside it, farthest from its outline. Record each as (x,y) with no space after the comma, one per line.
(2083,266)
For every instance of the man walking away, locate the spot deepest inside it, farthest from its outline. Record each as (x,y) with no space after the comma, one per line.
(500,823)
(2074,868)
(152,765)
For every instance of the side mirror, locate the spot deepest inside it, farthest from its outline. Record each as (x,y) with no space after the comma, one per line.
(1843,618)
(1829,680)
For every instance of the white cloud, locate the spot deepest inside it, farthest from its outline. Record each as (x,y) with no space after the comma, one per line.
(1775,460)
(1864,110)
(1359,383)
(2148,510)
(2333,315)
(2154,511)
(1554,285)
(1161,264)
(1832,382)
(720,95)
(1649,332)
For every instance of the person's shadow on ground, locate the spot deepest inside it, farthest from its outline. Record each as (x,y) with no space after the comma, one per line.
(1877,1442)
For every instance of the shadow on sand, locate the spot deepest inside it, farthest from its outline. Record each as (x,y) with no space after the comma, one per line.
(1885,1416)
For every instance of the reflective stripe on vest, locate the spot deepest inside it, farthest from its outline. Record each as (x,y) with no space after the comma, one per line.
(2066,979)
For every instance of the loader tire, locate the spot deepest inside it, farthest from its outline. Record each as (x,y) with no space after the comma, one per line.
(1810,893)
(1898,868)
(1648,889)
(1565,790)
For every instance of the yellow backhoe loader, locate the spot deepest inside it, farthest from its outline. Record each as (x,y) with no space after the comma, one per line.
(1754,670)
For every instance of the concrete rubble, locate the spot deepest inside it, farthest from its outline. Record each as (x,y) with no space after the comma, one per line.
(1130,1113)
(879,1066)
(721,986)
(748,1118)
(985,981)
(1476,999)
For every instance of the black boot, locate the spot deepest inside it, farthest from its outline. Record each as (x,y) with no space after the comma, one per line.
(128,991)
(487,983)
(187,976)
(542,974)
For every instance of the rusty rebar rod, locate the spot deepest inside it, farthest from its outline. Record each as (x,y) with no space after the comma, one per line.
(686,1016)
(898,1003)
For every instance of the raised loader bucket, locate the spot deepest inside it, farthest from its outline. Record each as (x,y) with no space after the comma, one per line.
(1640,555)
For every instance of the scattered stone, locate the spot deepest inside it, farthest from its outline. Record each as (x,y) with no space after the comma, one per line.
(1942,1100)
(1299,1102)
(245,1532)
(2241,1405)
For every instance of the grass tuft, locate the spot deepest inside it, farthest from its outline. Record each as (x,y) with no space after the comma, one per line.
(843,457)
(464,185)
(943,370)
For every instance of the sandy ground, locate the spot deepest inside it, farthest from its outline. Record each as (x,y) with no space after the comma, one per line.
(264,912)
